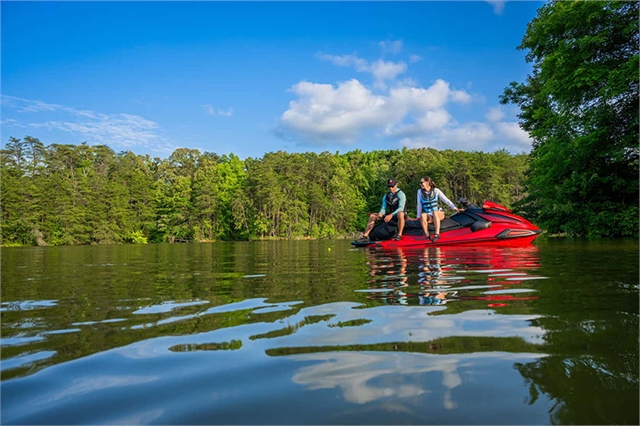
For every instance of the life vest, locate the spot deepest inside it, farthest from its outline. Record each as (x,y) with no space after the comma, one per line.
(392,201)
(429,200)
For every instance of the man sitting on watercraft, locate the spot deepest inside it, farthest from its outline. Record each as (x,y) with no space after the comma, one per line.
(392,210)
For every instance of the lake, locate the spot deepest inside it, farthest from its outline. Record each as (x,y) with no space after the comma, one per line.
(317,332)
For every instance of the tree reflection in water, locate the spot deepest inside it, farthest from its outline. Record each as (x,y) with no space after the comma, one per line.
(591,371)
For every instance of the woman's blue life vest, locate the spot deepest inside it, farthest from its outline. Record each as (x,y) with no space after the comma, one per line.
(429,200)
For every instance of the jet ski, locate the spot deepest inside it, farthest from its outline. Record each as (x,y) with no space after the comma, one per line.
(492,224)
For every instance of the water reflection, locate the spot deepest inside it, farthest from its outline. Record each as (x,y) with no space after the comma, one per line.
(364,378)
(438,275)
(443,335)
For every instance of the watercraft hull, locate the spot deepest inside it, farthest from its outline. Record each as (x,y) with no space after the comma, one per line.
(448,240)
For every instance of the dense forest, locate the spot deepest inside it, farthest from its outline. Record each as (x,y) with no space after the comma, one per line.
(580,105)
(81,194)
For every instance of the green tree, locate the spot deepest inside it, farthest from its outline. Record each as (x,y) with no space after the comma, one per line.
(277,186)
(65,205)
(134,174)
(233,197)
(206,203)
(173,196)
(580,105)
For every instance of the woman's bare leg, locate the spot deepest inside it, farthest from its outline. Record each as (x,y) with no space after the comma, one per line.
(437,217)
(424,222)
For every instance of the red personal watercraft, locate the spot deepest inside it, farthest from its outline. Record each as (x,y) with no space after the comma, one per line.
(491,224)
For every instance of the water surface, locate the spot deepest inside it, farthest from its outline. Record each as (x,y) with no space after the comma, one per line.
(316,332)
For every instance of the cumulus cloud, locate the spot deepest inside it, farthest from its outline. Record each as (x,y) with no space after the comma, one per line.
(324,112)
(460,96)
(495,114)
(472,134)
(381,70)
(405,114)
(469,137)
(384,70)
(431,121)
(512,132)
(120,131)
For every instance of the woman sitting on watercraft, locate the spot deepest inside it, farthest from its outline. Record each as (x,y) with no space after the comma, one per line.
(428,210)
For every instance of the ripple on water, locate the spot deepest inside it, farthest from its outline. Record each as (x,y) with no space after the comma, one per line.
(168,307)
(27,305)
(25,359)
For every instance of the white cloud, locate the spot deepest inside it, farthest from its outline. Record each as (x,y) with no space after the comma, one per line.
(512,132)
(434,120)
(209,109)
(343,60)
(495,114)
(460,96)
(415,58)
(116,129)
(472,137)
(384,70)
(380,69)
(391,46)
(10,122)
(421,100)
(469,137)
(342,113)
(323,111)
(120,131)
(406,113)
(430,122)
(227,113)
(498,5)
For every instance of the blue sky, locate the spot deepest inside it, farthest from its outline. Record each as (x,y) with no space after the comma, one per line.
(253,77)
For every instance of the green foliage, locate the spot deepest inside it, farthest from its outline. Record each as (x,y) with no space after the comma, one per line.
(136,237)
(580,105)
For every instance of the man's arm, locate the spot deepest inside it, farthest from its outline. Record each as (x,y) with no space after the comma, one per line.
(384,205)
(402,200)
(418,205)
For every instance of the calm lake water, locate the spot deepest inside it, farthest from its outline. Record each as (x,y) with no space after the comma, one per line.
(316,332)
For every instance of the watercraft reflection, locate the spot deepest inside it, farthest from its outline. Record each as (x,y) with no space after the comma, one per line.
(495,276)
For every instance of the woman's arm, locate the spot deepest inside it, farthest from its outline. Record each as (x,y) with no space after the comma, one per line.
(446,200)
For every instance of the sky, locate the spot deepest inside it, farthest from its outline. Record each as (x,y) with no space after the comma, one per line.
(247,78)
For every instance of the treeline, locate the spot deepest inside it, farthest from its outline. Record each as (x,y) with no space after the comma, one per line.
(81,194)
